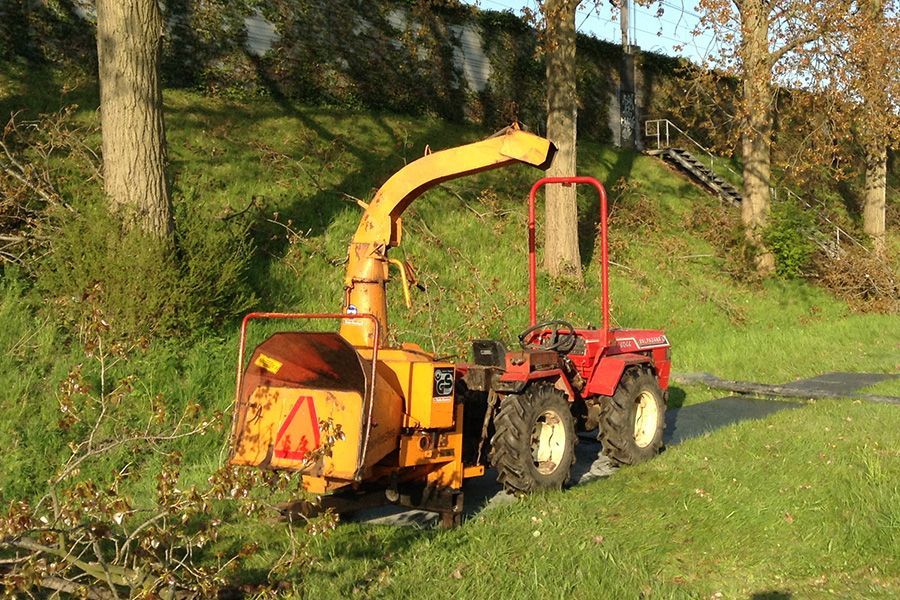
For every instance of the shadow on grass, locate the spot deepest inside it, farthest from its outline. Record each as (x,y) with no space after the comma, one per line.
(677,397)
(682,423)
(589,210)
(772,595)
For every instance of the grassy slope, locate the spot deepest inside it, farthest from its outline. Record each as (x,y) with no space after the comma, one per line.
(659,531)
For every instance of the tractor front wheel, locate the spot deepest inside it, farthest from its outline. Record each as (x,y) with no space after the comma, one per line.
(533,446)
(633,419)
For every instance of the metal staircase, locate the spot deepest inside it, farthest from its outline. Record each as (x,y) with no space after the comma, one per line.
(683,160)
(688,163)
(663,131)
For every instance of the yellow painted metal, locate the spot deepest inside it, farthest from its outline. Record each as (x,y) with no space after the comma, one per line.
(450,474)
(281,430)
(412,372)
(473,471)
(412,432)
(403,279)
(423,448)
(280,434)
(380,227)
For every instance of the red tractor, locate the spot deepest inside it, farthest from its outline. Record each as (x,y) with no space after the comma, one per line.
(565,379)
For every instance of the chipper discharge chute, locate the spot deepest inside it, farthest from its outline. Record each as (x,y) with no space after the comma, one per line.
(367,422)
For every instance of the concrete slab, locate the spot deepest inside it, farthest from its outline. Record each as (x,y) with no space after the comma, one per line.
(838,382)
(590,464)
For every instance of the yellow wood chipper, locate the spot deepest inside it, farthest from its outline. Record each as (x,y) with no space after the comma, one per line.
(413,427)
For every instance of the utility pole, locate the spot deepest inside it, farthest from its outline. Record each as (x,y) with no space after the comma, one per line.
(627,107)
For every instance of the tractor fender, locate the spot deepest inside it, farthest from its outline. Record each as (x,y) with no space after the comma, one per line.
(561,383)
(605,378)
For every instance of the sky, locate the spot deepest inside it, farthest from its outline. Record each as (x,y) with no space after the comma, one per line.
(657,34)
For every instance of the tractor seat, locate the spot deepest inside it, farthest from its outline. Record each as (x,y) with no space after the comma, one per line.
(489,353)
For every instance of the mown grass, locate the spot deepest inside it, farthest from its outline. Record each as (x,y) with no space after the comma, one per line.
(763,507)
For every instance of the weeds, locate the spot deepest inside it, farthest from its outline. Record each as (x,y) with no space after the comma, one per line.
(28,193)
(88,536)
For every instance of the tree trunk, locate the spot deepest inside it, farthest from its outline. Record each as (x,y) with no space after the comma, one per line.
(129,41)
(874,195)
(561,255)
(874,136)
(757,139)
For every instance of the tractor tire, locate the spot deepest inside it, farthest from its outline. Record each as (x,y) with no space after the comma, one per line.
(533,446)
(632,421)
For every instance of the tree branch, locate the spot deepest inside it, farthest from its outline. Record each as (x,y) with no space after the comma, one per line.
(59,584)
(795,43)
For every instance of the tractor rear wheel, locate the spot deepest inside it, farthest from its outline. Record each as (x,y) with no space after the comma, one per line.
(533,446)
(633,419)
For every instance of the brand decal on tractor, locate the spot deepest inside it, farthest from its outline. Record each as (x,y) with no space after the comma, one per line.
(443,382)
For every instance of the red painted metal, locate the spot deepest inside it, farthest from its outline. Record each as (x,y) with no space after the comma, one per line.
(543,374)
(604,252)
(370,396)
(609,371)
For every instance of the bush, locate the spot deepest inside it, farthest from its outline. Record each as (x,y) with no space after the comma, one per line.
(146,287)
(789,236)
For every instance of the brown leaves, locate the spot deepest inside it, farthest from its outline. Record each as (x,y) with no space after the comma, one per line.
(28,153)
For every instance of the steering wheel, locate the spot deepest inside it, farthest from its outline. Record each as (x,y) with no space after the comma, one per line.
(559,342)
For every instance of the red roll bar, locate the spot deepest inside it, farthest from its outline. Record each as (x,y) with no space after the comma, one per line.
(604,252)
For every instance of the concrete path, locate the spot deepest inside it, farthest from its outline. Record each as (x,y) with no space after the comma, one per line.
(839,383)
(829,385)
(590,464)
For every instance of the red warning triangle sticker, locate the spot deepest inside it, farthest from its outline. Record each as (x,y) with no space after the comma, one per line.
(299,434)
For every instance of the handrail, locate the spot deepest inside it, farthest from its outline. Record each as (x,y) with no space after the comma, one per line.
(839,231)
(670,124)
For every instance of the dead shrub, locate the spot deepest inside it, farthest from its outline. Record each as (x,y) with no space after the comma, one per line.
(631,211)
(28,179)
(98,532)
(866,281)
(631,208)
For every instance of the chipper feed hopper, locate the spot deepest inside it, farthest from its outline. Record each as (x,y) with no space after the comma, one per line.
(367,422)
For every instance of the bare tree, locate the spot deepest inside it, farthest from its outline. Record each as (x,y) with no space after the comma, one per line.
(561,254)
(129,41)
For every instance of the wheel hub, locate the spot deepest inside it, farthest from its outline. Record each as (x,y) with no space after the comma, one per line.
(646,419)
(548,442)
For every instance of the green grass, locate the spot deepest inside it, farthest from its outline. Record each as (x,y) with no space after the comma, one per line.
(890,387)
(805,502)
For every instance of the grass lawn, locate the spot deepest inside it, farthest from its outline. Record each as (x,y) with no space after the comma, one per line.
(803,504)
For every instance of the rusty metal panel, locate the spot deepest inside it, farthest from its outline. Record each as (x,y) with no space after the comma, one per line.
(315,360)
